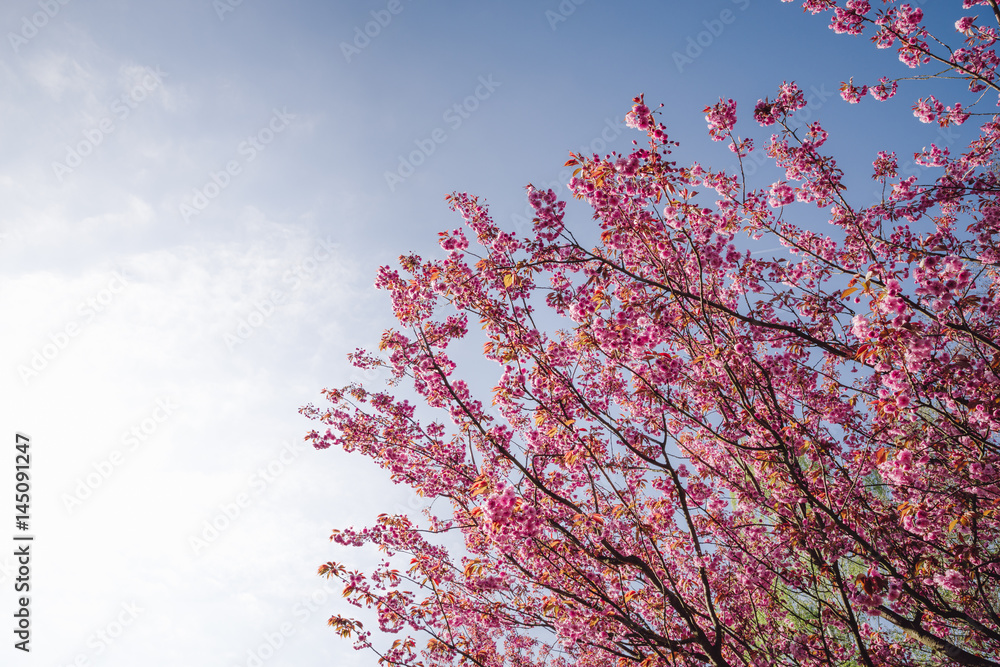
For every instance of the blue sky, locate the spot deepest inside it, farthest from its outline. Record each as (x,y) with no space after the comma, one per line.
(193,203)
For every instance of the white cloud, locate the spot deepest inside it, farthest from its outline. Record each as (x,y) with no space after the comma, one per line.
(58,73)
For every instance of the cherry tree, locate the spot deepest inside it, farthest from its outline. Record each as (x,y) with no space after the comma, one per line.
(712,457)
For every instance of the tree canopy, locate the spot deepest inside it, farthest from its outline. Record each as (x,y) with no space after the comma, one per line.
(714,458)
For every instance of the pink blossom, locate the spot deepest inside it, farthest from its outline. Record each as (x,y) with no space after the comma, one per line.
(933,157)
(640,118)
(455,240)
(850,20)
(852,93)
(781,194)
(885,166)
(954,116)
(928,109)
(950,580)
(698,492)
(789,100)
(908,19)
(861,328)
(883,90)
(721,118)
(895,591)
